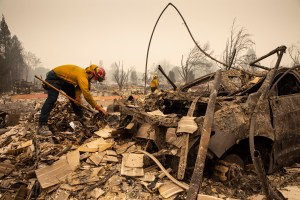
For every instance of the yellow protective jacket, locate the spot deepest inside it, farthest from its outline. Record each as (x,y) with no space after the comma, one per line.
(154,83)
(79,77)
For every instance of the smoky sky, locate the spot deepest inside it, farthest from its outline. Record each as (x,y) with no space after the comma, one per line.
(100,31)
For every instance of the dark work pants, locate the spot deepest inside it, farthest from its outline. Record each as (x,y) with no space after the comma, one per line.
(60,84)
(153,89)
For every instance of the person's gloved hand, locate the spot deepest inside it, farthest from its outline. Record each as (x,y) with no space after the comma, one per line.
(99,108)
(79,101)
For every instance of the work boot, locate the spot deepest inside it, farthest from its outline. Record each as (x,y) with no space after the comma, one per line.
(43,130)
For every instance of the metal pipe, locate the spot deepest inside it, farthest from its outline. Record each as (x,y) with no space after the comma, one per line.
(261,174)
(171,82)
(148,49)
(262,67)
(281,48)
(196,179)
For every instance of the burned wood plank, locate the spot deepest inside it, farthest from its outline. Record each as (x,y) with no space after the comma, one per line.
(5,169)
(142,117)
(54,174)
(169,189)
(185,147)
(73,158)
(128,168)
(183,156)
(97,157)
(21,193)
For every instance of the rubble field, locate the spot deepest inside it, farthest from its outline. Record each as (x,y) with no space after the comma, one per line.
(97,160)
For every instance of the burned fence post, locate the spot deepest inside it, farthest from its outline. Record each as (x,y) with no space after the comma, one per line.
(196,180)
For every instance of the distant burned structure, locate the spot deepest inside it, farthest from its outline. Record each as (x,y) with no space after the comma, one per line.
(272,96)
(22,87)
(26,87)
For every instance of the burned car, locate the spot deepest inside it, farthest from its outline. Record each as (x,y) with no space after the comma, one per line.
(173,120)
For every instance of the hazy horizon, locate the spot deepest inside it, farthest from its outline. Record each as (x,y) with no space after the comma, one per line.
(83,32)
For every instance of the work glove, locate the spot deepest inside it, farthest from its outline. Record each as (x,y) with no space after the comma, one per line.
(78,100)
(100,109)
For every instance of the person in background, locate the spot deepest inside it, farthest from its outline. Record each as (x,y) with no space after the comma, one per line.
(154,83)
(74,81)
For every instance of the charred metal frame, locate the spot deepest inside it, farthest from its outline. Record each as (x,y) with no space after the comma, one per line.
(278,51)
(255,154)
(253,110)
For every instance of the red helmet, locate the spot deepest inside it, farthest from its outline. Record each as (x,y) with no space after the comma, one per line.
(99,74)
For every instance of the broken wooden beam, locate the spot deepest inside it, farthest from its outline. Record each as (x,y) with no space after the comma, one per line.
(183,156)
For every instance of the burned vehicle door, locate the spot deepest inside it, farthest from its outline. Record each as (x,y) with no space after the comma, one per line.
(285,106)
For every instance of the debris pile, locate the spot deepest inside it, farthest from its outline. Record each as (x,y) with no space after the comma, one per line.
(107,164)
(72,165)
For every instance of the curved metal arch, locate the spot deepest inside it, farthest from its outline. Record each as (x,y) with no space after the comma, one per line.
(206,54)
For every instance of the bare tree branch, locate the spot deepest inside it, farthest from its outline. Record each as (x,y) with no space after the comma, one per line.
(195,60)
(240,41)
(120,76)
(294,53)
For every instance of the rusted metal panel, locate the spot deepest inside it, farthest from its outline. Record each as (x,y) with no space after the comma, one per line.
(286,112)
(286,119)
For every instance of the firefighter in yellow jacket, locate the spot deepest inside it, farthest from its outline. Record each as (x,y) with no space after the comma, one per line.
(154,84)
(74,81)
